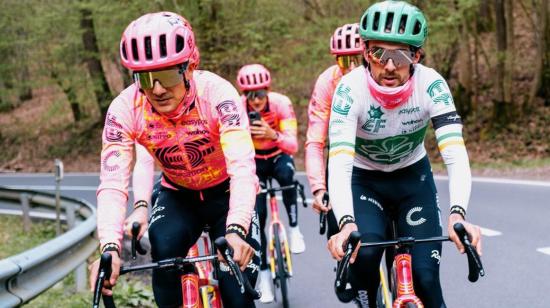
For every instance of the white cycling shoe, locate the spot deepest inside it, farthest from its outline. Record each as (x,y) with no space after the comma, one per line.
(297,244)
(265,287)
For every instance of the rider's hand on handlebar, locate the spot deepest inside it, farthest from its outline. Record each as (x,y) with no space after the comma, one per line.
(139,215)
(336,243)
(318,202)
(115,269)
(242,252)
(473,231)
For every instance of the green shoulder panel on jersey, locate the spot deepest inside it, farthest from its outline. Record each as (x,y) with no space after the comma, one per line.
(342,100)
(390,150)
(440,93)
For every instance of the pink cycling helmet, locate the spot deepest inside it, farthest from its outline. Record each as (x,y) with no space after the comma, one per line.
(157,40)
(253,77)
(346,40)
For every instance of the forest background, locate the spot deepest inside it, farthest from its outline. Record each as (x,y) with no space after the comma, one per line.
(60,69)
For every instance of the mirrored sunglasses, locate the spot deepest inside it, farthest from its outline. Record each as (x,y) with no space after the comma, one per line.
(345,62)
(399,57)
(167,78)
(251,95)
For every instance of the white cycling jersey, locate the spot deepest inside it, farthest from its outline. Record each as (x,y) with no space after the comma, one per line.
(366,135)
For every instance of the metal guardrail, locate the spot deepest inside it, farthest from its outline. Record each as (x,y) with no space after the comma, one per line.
(26,275)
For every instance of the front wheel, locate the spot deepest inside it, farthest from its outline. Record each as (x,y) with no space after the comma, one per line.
(281,271)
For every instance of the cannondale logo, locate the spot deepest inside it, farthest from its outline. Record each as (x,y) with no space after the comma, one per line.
(106,165)
(417,222)
(229,114)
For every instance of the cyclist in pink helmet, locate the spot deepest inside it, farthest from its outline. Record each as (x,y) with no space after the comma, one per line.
(274,129)
(347,47)
(193,125)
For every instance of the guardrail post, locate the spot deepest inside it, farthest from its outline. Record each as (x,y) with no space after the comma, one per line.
(58,178)
(26,212)
(80,271)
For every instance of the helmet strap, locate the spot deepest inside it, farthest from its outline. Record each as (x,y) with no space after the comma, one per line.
(182,70)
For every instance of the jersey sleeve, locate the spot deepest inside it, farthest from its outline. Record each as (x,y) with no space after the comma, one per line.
(342,134)
(448,131)
(287,140)
(238,150)
(143,174)
(116,162)
(317,130)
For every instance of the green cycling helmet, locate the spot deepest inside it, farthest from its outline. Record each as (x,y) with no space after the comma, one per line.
(394,21)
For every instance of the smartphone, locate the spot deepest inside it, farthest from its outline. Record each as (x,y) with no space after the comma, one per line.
(254,116)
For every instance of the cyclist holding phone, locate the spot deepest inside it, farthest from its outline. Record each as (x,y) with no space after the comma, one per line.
(346,46)
(194,126)
(273,128)
(377,161)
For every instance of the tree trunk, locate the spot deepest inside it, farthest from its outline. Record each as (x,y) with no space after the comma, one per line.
(92,60)
(500,110)
(541,80)
(71,96)
(464,92)
(509,62)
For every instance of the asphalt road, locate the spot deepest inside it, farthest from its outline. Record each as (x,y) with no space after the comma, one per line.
(516,245)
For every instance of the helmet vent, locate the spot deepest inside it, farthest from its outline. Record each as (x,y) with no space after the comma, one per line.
(148,50)
(417,27)
(124,55)
(402,24)
(348,41)
(376,21)
(179,43)
(162,46)
(254,77)
(135,53)
(261,78)
(389,22)
(339,44)
(248,79)
(364,23)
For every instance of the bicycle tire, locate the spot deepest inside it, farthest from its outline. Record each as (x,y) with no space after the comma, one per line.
(281,268)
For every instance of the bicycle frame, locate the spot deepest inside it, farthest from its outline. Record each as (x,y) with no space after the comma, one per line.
(275,220)
(200,283)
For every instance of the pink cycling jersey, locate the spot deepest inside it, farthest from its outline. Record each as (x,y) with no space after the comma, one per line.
(143,176)
(207,144)
(317,130)
(279,114)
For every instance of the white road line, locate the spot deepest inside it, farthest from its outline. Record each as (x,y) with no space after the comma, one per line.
(489,232)
(544,250)
(500,181)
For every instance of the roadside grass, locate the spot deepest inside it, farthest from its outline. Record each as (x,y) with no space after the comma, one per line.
(14,240)
(130,291)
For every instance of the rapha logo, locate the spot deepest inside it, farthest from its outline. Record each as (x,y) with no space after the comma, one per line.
(436,255)
(454,118)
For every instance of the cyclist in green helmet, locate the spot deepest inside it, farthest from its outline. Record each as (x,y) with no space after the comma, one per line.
(379,169)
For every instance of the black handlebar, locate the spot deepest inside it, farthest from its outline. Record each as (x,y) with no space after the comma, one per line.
(475,268)
(227,254)
(136,244)
(103,273)
(343,294)
(323,215)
